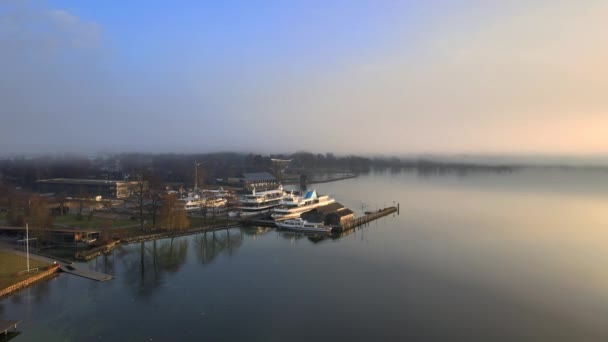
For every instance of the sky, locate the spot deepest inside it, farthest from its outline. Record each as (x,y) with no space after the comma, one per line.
(352,76)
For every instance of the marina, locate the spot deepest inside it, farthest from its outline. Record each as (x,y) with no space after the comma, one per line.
(350,224)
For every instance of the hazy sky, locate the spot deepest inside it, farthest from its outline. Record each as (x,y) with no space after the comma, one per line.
(347,76)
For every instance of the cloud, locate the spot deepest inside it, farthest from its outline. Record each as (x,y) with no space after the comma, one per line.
(80,34)
(500,77)
(49,61)
(519,79)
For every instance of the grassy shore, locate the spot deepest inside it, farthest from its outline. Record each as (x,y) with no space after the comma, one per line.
(11,263)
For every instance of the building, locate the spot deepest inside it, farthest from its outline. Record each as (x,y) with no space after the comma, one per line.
(334,214)
(259,180)
(89,187)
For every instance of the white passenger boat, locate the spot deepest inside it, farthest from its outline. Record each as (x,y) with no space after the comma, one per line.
(299,224)
(216,202)
(193,203)
(260,202)
(293,205)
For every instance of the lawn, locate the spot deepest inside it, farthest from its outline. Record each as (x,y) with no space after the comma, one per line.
(94,222)
(11,263)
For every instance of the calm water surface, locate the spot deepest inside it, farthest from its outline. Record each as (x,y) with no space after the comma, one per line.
(480,257)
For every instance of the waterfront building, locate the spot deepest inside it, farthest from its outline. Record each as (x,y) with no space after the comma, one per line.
(333,214)
(260,181)
(88,187)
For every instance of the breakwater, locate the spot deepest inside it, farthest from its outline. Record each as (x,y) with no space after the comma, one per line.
(29,281)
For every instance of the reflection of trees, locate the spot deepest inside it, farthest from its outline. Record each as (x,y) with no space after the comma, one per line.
(104,263)
(146,265)
(254,230)
(209,245)
(170,256)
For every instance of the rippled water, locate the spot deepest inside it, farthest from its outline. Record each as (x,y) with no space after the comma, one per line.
(476,257)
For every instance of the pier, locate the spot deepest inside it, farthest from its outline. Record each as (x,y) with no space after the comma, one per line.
(85,273)
(366,218)
(5,326)
(263,222)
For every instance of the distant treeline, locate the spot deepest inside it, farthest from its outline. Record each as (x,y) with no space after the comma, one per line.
(180,168)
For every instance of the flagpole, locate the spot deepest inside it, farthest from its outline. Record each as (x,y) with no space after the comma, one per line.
(27,246)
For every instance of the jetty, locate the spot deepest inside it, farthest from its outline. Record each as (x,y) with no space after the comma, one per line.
(71,269)
(5,326)
(365,219)
(350,224)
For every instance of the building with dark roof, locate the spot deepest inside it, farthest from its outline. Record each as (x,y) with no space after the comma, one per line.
(259,180)
(333,214)
(88,187)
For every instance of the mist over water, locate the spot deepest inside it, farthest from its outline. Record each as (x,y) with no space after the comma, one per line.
(477,257)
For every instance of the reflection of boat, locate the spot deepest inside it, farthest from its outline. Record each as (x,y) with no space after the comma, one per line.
(303,225)
(233,213)
(292,205)
(259,202)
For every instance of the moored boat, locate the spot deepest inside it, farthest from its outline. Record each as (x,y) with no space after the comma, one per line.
(299,224)
(260,202)
(193,203)
(293,205)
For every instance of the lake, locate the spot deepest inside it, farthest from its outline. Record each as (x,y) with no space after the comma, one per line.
(514,256)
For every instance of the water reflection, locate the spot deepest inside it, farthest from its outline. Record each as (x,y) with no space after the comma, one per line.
(518,257)
(39,293)
(208,246)
(147,267)
(255,231)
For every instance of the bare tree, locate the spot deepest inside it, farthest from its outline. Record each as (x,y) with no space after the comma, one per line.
(39,216)
(138,192)
(14,204)
(152,206)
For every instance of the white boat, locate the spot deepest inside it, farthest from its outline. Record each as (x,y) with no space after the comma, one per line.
(193,203)
(299,224)
(216,202)
(260,202)
(292,205)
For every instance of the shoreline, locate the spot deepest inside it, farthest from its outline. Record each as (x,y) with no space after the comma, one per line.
(105,248)
(50,272)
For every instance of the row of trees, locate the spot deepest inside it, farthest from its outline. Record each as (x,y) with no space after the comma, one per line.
(163,210)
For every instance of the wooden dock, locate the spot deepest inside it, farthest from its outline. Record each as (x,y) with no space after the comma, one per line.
(366,218)
(85,273)
(5,326)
